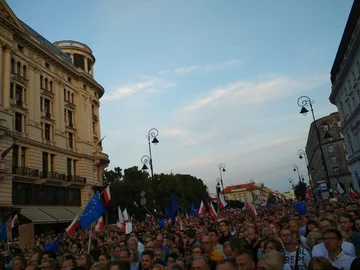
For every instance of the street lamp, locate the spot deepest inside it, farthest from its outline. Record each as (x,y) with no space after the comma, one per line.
(296,169)
(222,167)
(303,102)
(291,182)
(152,139)
(302,155)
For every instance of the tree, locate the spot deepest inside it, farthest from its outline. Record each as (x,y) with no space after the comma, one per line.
(112,176)
(300,190)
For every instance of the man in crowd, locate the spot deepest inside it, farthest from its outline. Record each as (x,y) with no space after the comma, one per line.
(225,231)
(208,247)
(333,240)
(347,223)
(215,239)
(244,260)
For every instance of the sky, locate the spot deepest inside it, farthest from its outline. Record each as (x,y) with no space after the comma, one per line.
(218,79)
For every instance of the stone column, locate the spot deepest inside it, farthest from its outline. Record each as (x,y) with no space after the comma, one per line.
(92,70)
(31,108)
(37,96)
(1,68)
(86,65)
(72,57)
(6,79)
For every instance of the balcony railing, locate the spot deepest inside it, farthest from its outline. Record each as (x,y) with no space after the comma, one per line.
(29,172)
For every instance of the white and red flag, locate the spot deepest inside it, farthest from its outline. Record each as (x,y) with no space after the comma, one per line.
(99,224)
(202,209)
(251,209)
(212,211)
(74,225)
(352,193)
(222,202)
(339,189)
(14,221)
(125,215)
(107,194)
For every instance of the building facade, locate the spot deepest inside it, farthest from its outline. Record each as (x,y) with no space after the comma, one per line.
(50,138)
(335,154)
(345,92)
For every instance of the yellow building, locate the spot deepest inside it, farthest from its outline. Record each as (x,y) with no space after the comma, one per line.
(49,124)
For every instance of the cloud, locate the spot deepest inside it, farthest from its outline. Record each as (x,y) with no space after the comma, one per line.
(145,84)
(201,68)
(251,92)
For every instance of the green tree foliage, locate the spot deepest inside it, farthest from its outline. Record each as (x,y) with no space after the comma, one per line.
(126,188)
(300,189)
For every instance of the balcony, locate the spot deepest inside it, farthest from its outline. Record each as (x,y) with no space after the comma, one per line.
(48,176)
(70,105)
(47,93)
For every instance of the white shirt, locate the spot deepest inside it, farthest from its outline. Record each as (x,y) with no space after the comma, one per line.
(303,260)
(320,250)
(342,261)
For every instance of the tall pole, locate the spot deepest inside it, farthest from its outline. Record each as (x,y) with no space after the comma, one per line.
(303,102)
(222,167)
(152,138)
(296,169)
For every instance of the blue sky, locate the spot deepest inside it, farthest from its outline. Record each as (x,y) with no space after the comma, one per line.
(218,79)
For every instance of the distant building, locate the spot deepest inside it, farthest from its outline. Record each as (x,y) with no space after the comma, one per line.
(51,155)
(289,195)
(334,150)
(345,94)
(251,192)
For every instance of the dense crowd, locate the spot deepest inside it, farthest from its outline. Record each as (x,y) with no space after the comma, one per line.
(327,237)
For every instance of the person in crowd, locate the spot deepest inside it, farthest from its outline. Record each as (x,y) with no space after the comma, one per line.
(225,231)
(312,240)
(333,241)
(159,242)
(190,237)
(226,265)
(297,257)
(271,244)
(320,251)
(85,261)
(269,262)
(118,265)
(320,263)
(245,260)
(147,260)
(347,223)
(208,247)
(104,258)
(214,234)
(98,266)
(49,264)
(200,263)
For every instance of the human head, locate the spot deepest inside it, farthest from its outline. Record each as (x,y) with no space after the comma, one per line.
(147,259)
(332,239)
(269,262)
(200,263)
(49,264)
(226,265)
(346,222)
(317,263)
(271,245)
(207,244)
(224,226)
(244,259)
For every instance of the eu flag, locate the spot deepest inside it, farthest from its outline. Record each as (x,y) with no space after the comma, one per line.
(192,210)
(3,233)
(92,211)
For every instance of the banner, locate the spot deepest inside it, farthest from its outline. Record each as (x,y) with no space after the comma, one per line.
(26,236)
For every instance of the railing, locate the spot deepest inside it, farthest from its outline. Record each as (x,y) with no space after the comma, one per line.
(30,172)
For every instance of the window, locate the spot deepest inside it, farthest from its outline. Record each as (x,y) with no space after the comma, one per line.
(336,171)
(73,197)
(46,84)
(71,140)
(24,71)
(47,108)
(45,163)
(18,122)
(15,156)
(18,95)
(41,104)
(333,160)
(23,157)
(20,193)
(331,149)
(18,68)
(84,86)
(65,94)
(325,127)
(47,132)
(74,161)
(20,48)
(51,86)
(41,82)
(69,79)
(47,65)
(52,163)
(11,90)
(68,166)
(72,98)
(70,118)
(12,65)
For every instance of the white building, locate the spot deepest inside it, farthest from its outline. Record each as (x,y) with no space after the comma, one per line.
(345,94)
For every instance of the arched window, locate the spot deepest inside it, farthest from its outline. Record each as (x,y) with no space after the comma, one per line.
(51,86)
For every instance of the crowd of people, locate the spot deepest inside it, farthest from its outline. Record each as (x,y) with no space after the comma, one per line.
(326,237)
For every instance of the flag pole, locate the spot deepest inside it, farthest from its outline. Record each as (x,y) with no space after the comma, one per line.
(148,211)
(91,228)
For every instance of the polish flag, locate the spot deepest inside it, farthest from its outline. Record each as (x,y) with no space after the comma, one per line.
(107,194)
(99,224)
(307,195)
(212,211)
(251,209)
(202,208)
(14,221)
(128,227)
(121,217)
(135,204)
(222,202)
(125,215)
(339,188)
(74,224)
(352,193)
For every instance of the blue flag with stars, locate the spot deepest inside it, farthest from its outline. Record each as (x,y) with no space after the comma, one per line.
(92,211)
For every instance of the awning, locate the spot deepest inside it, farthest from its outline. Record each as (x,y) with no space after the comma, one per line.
(61,214)
(75,210)
(37,216)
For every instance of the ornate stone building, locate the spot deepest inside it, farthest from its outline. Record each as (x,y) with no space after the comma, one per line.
(50,138)
(345,92)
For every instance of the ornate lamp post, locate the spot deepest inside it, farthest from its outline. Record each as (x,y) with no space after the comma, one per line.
(296,169)
(303,102)
(152,139)
(291,182)
(222,167)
